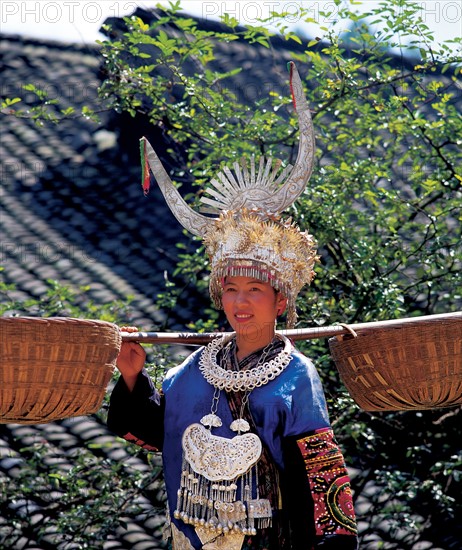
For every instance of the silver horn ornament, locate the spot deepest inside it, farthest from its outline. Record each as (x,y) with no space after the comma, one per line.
(264,190)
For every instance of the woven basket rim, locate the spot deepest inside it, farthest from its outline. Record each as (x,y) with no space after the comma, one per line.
(53,319)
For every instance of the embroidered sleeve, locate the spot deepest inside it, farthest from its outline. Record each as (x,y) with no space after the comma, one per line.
(329,483)
(138,416)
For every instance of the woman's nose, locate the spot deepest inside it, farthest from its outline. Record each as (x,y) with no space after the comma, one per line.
(241,297)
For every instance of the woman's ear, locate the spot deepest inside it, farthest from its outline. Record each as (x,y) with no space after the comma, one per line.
(281,303)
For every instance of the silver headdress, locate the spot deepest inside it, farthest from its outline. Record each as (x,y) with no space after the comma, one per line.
(248,237)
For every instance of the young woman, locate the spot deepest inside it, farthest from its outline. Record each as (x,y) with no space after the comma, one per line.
(250,460)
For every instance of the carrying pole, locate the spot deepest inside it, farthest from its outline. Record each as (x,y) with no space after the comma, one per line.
(199,339)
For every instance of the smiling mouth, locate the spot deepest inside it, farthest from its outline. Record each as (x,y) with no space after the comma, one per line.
(242,316)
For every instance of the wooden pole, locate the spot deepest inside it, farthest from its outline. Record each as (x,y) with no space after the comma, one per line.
(195,338)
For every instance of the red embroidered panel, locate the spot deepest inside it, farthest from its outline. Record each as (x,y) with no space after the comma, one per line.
(329,483)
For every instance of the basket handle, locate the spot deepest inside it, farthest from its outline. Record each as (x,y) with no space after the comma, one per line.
(349,328)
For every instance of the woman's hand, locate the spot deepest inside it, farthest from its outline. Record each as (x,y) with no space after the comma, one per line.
(130,360)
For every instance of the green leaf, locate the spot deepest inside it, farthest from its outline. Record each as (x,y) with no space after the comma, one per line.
(294,37)
(68,112)
(41,94)
(8,102)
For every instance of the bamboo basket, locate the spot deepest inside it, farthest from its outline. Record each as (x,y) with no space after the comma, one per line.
(413,365)
(54,368)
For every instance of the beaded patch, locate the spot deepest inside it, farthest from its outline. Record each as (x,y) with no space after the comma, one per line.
(329,484)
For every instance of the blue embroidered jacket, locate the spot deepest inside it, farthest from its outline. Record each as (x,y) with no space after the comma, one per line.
(286,412)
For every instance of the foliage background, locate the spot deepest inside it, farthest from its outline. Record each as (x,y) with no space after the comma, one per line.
(384,203)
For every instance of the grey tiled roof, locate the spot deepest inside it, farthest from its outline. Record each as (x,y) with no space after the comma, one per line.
(72,206)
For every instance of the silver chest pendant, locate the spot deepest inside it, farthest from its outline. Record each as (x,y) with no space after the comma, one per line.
(213,470)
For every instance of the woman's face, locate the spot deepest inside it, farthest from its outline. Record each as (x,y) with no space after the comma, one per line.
(251,307)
